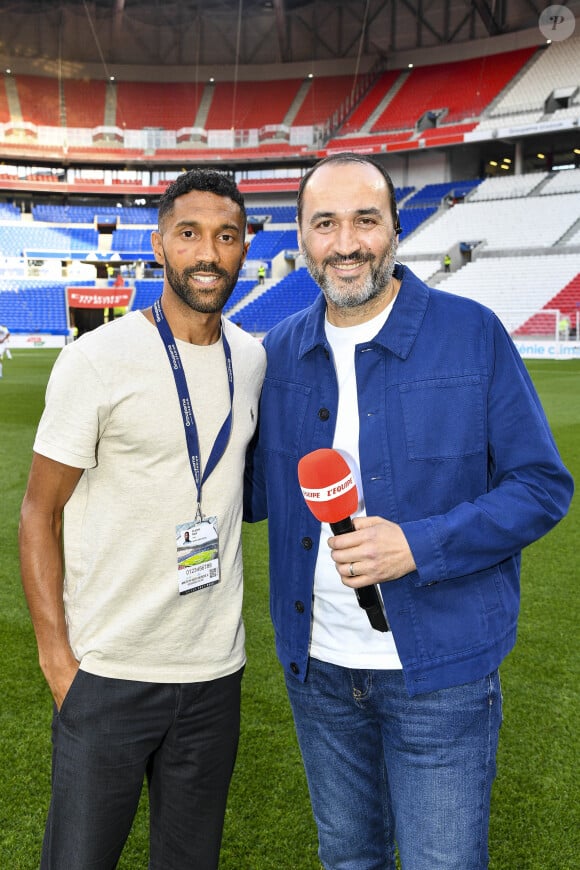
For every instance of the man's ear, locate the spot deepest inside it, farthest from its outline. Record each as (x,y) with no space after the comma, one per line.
(157,247)
(299,237)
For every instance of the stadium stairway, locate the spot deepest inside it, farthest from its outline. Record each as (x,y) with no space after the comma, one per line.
(257,291)
(570,233)
(380,109)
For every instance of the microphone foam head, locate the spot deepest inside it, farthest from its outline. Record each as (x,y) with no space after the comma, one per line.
(328,485)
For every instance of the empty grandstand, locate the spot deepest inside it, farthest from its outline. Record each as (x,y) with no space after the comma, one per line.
(508,265)
(478,131)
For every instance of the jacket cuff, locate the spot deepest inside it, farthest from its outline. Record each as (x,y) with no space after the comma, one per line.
(425,543)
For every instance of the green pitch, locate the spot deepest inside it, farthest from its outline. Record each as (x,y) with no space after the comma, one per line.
(268,826)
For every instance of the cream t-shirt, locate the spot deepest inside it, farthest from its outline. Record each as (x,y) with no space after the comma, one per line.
(112,409)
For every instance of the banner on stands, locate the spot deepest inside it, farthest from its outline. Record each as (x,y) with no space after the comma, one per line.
(98,297)
(541,349)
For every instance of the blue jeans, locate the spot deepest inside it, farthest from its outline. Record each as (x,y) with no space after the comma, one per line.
(111,734)
(384,768)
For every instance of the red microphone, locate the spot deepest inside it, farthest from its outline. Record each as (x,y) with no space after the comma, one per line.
(329,489)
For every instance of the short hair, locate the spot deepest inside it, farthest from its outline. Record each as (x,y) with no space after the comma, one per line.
(350,157)
(206,181)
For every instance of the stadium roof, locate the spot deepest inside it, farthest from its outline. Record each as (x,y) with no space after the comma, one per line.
(234,33)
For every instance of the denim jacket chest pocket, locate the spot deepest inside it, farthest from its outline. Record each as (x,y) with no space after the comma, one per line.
(282,414)
(443,418)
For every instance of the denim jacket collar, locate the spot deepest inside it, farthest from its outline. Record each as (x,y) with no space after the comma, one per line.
(399,332)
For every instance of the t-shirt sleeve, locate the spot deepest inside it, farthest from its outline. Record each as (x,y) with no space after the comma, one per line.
(75,412)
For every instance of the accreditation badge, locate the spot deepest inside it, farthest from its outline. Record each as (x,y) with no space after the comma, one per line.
(198,562)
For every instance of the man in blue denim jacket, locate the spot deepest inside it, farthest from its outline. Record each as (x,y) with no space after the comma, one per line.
(427,399)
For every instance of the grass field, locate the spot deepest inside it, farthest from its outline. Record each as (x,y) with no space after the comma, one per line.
(535,819)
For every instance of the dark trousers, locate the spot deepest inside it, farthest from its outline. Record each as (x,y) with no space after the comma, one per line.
(111,734)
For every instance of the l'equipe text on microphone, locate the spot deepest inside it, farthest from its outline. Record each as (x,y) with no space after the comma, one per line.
(330,491)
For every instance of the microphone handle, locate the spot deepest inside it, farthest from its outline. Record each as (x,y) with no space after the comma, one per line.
(368,597)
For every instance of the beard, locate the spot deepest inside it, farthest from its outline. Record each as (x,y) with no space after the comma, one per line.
(209,301)
(352,292)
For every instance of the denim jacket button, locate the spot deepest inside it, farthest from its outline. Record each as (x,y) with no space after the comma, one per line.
(294,668)
(307,543)
(299,606)
(324,413)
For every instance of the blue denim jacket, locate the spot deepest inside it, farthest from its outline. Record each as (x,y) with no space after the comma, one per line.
(454,446)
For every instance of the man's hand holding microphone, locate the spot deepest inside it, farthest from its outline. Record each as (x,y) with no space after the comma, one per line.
(367,551)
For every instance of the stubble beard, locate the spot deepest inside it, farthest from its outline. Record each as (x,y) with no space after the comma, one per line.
(208,302)
(352,292)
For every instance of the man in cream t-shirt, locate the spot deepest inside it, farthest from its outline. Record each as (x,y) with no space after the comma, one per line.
(140,638)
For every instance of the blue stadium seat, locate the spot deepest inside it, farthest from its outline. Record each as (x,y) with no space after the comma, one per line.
(293,293)
(146,292)
(278,214)
(132,244)
(434,194)
(411,218)
(35,305)
(9,211)
(60,242)
(242,288)
(266,244)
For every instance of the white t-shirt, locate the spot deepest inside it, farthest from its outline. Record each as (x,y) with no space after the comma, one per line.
(341,632)
(113,410)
